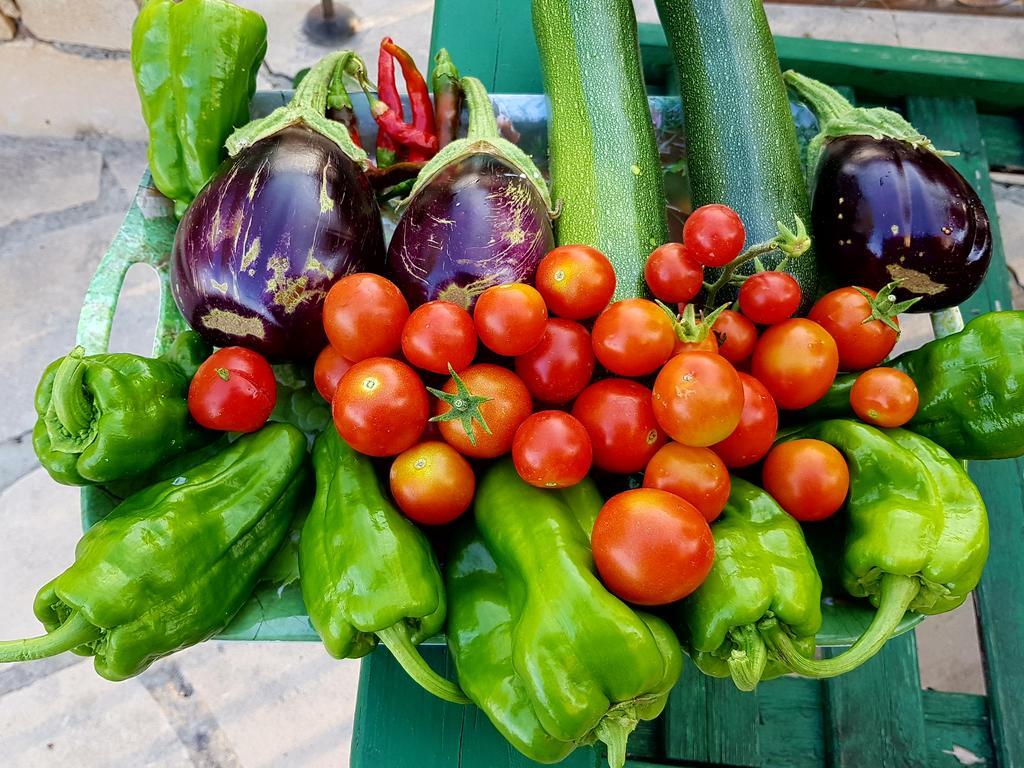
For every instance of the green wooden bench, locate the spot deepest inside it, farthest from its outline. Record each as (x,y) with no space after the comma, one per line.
(877,716)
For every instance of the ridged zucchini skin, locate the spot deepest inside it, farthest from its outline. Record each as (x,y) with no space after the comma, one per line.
(605,169)
(742,146)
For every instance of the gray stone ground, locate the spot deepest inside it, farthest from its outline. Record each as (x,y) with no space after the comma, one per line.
(71,151)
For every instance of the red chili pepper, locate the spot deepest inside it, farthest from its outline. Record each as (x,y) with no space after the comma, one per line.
(387,90)
(407,136)
(416,142)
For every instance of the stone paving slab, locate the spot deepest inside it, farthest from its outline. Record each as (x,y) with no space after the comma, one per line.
(79,183)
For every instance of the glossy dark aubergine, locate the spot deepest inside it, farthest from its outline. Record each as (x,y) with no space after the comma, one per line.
(479,222)
(884,210)
(263,242)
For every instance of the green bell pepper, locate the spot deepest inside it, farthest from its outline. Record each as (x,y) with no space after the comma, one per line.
(540,645)
(763,568)
(107,417)
(195,65)
(917,537)
(366,572)
(172,564)
(970,385)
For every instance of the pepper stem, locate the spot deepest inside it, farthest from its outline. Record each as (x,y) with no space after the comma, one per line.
(749,658)
(614,729)
(72,633)
(895,596)
(396,639)
(71,410)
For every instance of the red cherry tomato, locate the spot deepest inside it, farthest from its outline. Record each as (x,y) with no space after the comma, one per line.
(736,336)
(672,275)
(619,418)
(431,483)
(552,450)
(698,398)
(884,397)
(768,298)
(576,281)
(381,407)
(560,365)
(714,235)
(846,314)
(696,475)
(328,370)
(651,547)
(708,344)
(633,337)
(439,334)
(797,361)
(809,478)
(233,391)
(510,319)
(507,406)
(754,435)
(364,315)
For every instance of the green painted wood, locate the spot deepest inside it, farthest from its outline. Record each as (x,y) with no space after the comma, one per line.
(792,723)
(1003,136)
(957,729)
(709,720)
(875,715)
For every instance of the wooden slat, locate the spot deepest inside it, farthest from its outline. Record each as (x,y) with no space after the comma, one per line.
(957,728)
(709,721)
(1003,136)
(954,124)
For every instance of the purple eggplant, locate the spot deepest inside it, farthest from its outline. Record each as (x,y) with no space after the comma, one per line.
(887,207)
(479,215)
(288,214)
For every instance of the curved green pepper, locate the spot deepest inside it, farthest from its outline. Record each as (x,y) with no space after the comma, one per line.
(195,65)
(763,568)
(917,538)
(366,572)
(172,564)
(970,385)
(107,417)
(575,663)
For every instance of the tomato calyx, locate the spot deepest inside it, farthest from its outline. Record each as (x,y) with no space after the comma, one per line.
(884,306)
(464,405)
(687,326)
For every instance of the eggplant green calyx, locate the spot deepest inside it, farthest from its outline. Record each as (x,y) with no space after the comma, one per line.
(483,138)
(838,117)
(308,107)
(884,306)
(465,406)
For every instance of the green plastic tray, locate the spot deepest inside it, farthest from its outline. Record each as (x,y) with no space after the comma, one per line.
(146,237)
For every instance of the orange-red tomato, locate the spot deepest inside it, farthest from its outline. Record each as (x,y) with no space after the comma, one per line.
(437,335)
(797,361)
(507,407)
(697,475)
(364,315)
(510,319)
(672,275)
(809,478)
(846,314)
(633,337)
(380,407)
(698,398)
(713,235)
(552,450)
(330,366)
(736,336)
(619,417)
(431,483)
(233,391)
(754,435)
(576,281)
(884,397)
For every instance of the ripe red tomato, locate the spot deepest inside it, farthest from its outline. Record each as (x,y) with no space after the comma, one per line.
(651,547)
(364,315)
(510,319)
(633,337)
(552,450)
(561,365)
(507,404)
(696,475)
(884,397)
(381,407)
(672,275)
(809,478)
(708,344)
(846,314)
(233,391)
(619,418)
(698,398)
(797,361)
(736,336)
(714,235)
(768,298)
(754,435)
(576,281)
(328,370)
(431,483)
(439,334)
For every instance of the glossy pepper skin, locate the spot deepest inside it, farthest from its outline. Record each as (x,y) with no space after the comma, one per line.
(366,572)
(171,565)
(107,417)
(763,567)
(917,535)
(970,385)
(195,65)
(573,664)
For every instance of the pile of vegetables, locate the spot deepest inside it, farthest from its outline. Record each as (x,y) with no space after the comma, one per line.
(592,422)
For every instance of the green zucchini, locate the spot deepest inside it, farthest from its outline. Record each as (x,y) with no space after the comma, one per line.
(741,141)
(605,169)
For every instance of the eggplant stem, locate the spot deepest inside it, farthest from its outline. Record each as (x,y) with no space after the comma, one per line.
(482,122)
(75,631)
(396,639)
(826,103)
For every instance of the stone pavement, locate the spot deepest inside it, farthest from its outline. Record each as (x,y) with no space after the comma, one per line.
(71,151)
